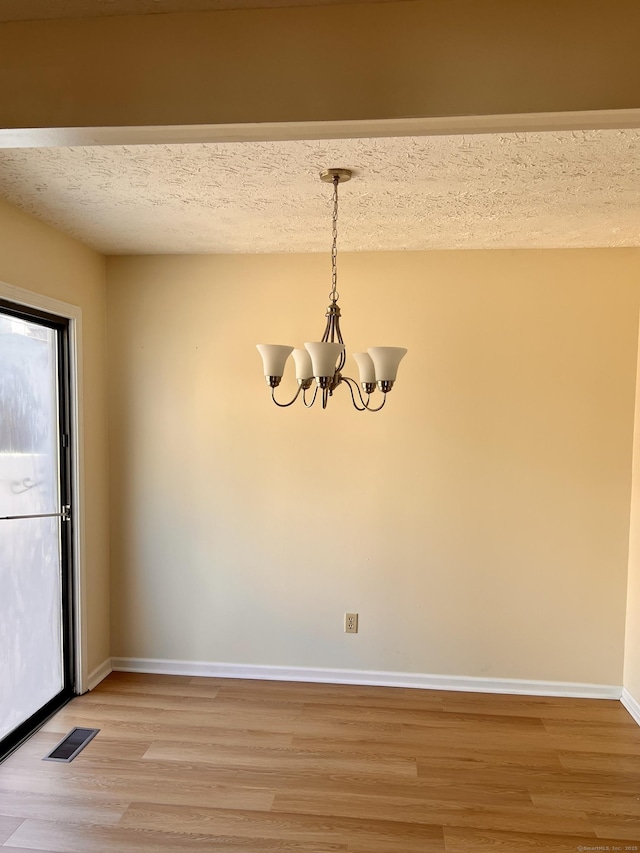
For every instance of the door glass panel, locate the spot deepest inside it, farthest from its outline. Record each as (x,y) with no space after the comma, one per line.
(31,670)
(31,649)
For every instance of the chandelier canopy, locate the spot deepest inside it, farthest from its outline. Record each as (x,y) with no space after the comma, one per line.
(324,360)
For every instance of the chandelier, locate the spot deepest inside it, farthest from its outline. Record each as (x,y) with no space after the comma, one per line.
(324,360)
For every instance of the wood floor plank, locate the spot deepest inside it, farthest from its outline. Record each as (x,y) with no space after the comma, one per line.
(529,740)
(283,758)
(173,681)
(382,746)
(457,722)
(272,733)
(155,700)
(426,750)
(583,731)
(436,812)
(372,713)
(193,689)
(206,736)
(465,756)
(305,828)
(590,798)
(236,716)
(449,786)
(90,714)
(12,849)
(50,837)
(622,826)
(8,825)
(462,840)
(172,788)
(600,761)
(545,707)
(309,726)
(350,695)
(61,807)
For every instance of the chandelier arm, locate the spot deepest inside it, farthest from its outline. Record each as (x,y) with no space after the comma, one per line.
(328,330)
(343,355)
(351,384)
(365,403)
(375,408)
(304,397)
(285,405)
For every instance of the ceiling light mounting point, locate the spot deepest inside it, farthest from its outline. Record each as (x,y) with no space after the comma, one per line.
(329,175)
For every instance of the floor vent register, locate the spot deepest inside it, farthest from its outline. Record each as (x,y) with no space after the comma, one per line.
(71,745)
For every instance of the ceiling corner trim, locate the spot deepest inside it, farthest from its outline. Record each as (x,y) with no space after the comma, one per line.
(59,137)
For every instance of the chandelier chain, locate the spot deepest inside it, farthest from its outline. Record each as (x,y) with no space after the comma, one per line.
(334,295)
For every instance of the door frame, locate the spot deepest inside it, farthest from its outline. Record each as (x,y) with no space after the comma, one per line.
(73,313)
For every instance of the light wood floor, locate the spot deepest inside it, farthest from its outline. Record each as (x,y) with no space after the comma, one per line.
(198,764)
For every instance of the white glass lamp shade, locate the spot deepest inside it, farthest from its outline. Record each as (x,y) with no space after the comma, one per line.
(324,357)
(304,368)
(386,361)
(274,358)
(366,368)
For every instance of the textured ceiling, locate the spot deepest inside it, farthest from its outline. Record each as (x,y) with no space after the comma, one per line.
(33,10)
(557,189)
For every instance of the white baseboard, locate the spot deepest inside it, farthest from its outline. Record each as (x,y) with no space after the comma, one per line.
(99,673)
(369,677)
(631,704)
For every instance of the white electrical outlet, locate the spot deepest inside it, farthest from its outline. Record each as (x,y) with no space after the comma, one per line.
(351,623)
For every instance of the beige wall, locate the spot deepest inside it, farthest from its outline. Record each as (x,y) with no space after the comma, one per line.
(632,640)
(479,525)
(38,258)
(355,61)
